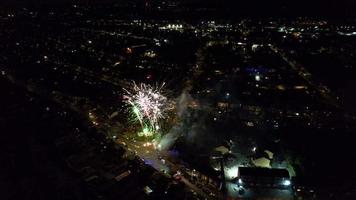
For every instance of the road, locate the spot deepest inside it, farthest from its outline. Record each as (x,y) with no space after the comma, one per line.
(303,73)
(158,160)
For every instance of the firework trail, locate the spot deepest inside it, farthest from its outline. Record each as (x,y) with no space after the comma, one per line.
(148,105)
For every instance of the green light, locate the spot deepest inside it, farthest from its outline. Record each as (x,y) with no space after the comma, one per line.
(145,131)
(136,110)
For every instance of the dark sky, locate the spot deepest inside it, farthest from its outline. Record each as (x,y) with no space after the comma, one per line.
(284,7)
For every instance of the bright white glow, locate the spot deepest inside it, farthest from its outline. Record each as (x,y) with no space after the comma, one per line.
(257,77)
(240,181)
(231,173)
(286,182)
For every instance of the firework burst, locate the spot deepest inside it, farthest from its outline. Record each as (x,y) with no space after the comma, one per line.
(148,106)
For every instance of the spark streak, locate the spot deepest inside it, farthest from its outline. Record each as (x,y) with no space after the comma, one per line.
(148,106)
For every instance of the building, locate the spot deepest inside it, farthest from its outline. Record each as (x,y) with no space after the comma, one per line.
(249,177)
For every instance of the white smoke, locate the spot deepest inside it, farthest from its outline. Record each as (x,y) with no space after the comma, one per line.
(182,104)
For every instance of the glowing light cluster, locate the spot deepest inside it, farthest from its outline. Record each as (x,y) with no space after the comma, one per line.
(231,172)
(148,106)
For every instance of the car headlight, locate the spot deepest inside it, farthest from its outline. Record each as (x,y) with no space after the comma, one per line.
(286,182)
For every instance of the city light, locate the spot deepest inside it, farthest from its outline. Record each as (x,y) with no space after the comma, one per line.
(260,107)
(286,182)
(257,77)
(254,149)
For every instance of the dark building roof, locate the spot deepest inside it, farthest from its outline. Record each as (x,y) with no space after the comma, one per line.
(263,172)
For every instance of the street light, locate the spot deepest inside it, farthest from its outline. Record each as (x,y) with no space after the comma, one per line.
(257,77)
(254,149)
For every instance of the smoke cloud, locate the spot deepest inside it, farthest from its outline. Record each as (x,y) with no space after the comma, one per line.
(177,130)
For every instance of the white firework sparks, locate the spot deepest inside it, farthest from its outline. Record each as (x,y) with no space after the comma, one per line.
(148,105)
